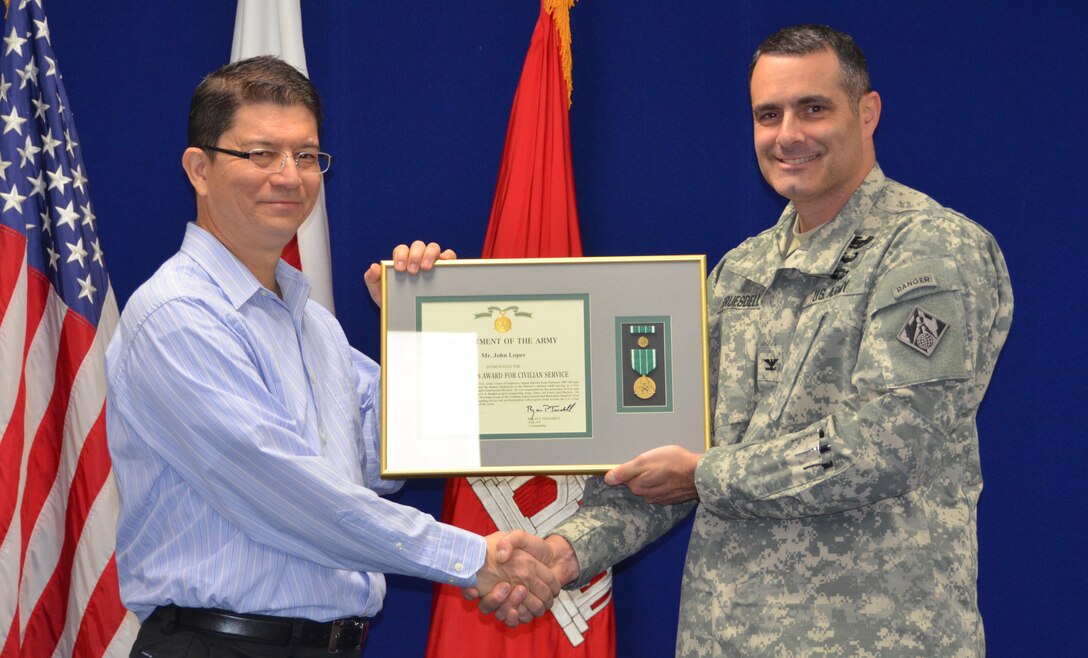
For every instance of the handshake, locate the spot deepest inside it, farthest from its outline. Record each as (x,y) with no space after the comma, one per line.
(521,576)
(523,573)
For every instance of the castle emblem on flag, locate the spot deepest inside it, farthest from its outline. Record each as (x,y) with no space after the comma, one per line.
(527,502)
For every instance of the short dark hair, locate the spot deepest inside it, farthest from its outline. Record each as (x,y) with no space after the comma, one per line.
(807,39)
(264,79)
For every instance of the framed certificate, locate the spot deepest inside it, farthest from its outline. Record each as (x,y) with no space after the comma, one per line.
(566,365)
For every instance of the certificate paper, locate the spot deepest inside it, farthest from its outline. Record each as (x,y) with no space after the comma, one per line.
(436,418)
(532,370)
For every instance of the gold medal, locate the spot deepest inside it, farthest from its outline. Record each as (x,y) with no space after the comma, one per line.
(502,323)
(644,361)
(645,387)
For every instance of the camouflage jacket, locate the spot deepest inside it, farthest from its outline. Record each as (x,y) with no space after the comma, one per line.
(837,506)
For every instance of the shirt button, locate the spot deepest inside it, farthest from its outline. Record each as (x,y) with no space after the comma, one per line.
(457,567)
(399,546)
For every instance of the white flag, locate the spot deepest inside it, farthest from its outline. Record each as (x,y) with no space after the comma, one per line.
(274,27)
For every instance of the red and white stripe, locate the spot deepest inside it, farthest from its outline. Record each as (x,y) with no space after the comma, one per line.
(58,503)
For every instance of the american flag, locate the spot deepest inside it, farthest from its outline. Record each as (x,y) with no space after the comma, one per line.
(58,504)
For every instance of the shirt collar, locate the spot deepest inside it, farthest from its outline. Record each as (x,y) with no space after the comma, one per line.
(827,242)
(234,278)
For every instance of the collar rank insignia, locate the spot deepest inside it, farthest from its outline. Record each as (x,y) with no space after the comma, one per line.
(922,331)
(860,241)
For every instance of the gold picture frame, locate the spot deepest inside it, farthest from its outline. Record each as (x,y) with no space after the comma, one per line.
(542,365)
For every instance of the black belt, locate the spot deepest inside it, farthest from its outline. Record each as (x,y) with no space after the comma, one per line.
(340,635)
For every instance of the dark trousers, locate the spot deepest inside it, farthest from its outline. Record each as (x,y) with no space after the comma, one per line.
(159,639)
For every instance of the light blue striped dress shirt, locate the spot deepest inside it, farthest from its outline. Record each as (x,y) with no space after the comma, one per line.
(244,436)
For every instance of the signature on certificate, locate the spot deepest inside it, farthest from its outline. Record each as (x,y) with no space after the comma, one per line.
(548,409)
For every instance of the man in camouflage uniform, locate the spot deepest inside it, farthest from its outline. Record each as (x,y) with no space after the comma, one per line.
(835,512)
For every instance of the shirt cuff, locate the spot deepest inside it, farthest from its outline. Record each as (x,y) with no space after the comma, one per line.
(460,555)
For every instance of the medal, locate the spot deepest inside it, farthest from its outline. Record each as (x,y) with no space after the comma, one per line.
(644,362)
(645,387)
(502,323)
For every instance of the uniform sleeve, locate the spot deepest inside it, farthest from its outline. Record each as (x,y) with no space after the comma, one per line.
(931,332)
(189,387)
(613,524)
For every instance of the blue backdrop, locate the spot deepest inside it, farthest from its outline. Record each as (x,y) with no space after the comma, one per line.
(982,110)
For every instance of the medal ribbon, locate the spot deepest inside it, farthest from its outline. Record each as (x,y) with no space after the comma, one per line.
(643,329)
(644,361)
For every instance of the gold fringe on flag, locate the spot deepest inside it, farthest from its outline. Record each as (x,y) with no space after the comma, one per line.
(559,10)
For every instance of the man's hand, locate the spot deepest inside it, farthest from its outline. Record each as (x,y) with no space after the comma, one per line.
(507,602)
(662,475)
(417,258)
(513,571)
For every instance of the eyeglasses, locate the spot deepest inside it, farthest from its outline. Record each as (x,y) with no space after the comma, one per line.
(307,162)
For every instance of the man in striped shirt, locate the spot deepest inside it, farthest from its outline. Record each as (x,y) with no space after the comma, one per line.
(242,426)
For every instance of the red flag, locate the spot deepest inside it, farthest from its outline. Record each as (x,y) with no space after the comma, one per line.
(533,215)
(58,505)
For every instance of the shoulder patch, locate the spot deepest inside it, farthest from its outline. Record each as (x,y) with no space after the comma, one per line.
(914,283)
(922,331)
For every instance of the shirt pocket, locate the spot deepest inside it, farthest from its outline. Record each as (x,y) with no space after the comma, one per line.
(917,331)
(823,349)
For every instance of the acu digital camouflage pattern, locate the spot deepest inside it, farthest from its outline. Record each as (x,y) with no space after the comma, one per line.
(836,511)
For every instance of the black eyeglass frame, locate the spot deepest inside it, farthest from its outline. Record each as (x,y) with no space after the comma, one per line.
(248,155)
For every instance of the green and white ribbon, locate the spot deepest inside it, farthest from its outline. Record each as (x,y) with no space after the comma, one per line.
(491,310)
(644,361)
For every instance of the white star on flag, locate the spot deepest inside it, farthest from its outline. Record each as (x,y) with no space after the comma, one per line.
(66,215)
(76,251)
(13,121)
(86,288)
(28,152)
(14,42)
(57,178)
(13,200)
